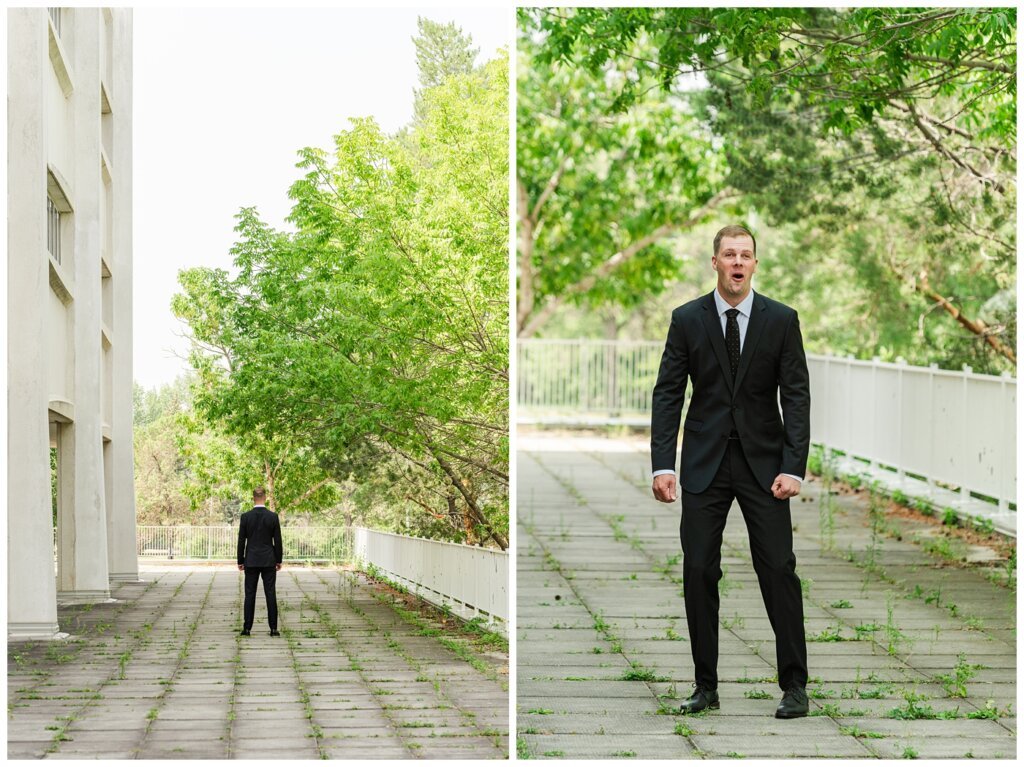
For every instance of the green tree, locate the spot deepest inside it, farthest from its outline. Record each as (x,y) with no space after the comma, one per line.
(878,145)
(442,50)
(600,188)
(160,472)
(375,337)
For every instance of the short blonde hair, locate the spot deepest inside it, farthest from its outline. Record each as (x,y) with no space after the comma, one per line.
(734,230)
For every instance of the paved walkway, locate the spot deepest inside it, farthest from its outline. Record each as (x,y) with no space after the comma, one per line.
(603,658)
(162,673)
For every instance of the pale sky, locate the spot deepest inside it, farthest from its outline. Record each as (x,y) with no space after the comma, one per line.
(223,99)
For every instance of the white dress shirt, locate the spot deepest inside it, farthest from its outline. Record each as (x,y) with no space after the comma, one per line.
(742,319)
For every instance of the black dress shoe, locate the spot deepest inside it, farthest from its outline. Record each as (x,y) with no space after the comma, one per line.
(244,632)
(275,633)
(793,705)
(701,699)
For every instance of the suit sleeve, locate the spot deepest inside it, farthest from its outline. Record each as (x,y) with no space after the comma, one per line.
(667,399)
(278,545)
(241,541)
(795,398)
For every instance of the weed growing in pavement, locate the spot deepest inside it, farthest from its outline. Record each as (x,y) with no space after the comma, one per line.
(867,630)
(876,518)
(821,693)
(857,732)
(827,709)
(955,684)
(924,506)
(830,634)
(757,695)
(894,637)
(989,711)
(683,730)
(670,565)
(841,604)
(725,585)
(983,525)
(522,750)
(912,709)
(615,521)
(910,753)
(805,587)
(640,673)
(942,546)
(735,622)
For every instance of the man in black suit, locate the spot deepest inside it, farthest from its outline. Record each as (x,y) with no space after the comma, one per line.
(744,355)
(259,554)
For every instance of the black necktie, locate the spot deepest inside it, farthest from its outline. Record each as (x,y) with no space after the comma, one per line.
(732,340)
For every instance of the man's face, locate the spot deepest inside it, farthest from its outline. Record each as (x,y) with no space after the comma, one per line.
(735,264)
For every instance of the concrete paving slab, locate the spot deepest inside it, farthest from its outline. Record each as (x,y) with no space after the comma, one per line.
(163,674)
(590,534)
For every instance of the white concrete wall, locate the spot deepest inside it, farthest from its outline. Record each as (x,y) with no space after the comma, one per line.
(124,565)
(31,586)
(69,325)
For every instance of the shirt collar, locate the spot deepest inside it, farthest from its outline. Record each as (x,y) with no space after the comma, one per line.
(259,506)
(744,306)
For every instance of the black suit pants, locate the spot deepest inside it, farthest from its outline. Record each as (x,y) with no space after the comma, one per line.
(252,577)
(770,531)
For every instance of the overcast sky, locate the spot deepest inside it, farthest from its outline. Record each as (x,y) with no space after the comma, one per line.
(223,101)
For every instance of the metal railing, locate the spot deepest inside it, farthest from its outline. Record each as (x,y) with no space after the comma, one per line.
(614,378)
(950,427)
(187,542)
(471,579)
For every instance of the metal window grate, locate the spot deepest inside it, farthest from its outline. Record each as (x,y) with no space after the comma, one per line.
(53,229)
(55,16)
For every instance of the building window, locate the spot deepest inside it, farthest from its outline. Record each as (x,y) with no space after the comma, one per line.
(55,17)
(53,229)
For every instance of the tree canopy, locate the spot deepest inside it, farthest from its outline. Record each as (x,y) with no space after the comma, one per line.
(876,145)
(372,342)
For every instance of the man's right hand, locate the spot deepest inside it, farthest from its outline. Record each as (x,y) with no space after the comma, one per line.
(241,567)
(664,487)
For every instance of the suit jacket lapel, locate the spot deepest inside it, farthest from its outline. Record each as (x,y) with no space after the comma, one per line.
(755,325)
(713,326)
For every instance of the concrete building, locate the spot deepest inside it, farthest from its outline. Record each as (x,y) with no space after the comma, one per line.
(69,269)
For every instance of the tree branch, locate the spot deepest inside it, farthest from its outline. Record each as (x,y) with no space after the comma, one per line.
(977,327)
(936,142)
(532,324)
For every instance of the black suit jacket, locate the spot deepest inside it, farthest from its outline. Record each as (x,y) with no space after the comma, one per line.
(772,371)
(259,538)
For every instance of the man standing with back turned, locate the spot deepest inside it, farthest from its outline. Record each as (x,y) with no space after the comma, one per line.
(744,354)
(259,554)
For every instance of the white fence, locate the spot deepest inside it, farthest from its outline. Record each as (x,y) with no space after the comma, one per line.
(471,579)
(951,427)
(218,543)
(613,379)
(957,428)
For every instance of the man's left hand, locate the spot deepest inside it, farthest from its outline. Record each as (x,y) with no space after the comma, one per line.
(277,566)
(785,487)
